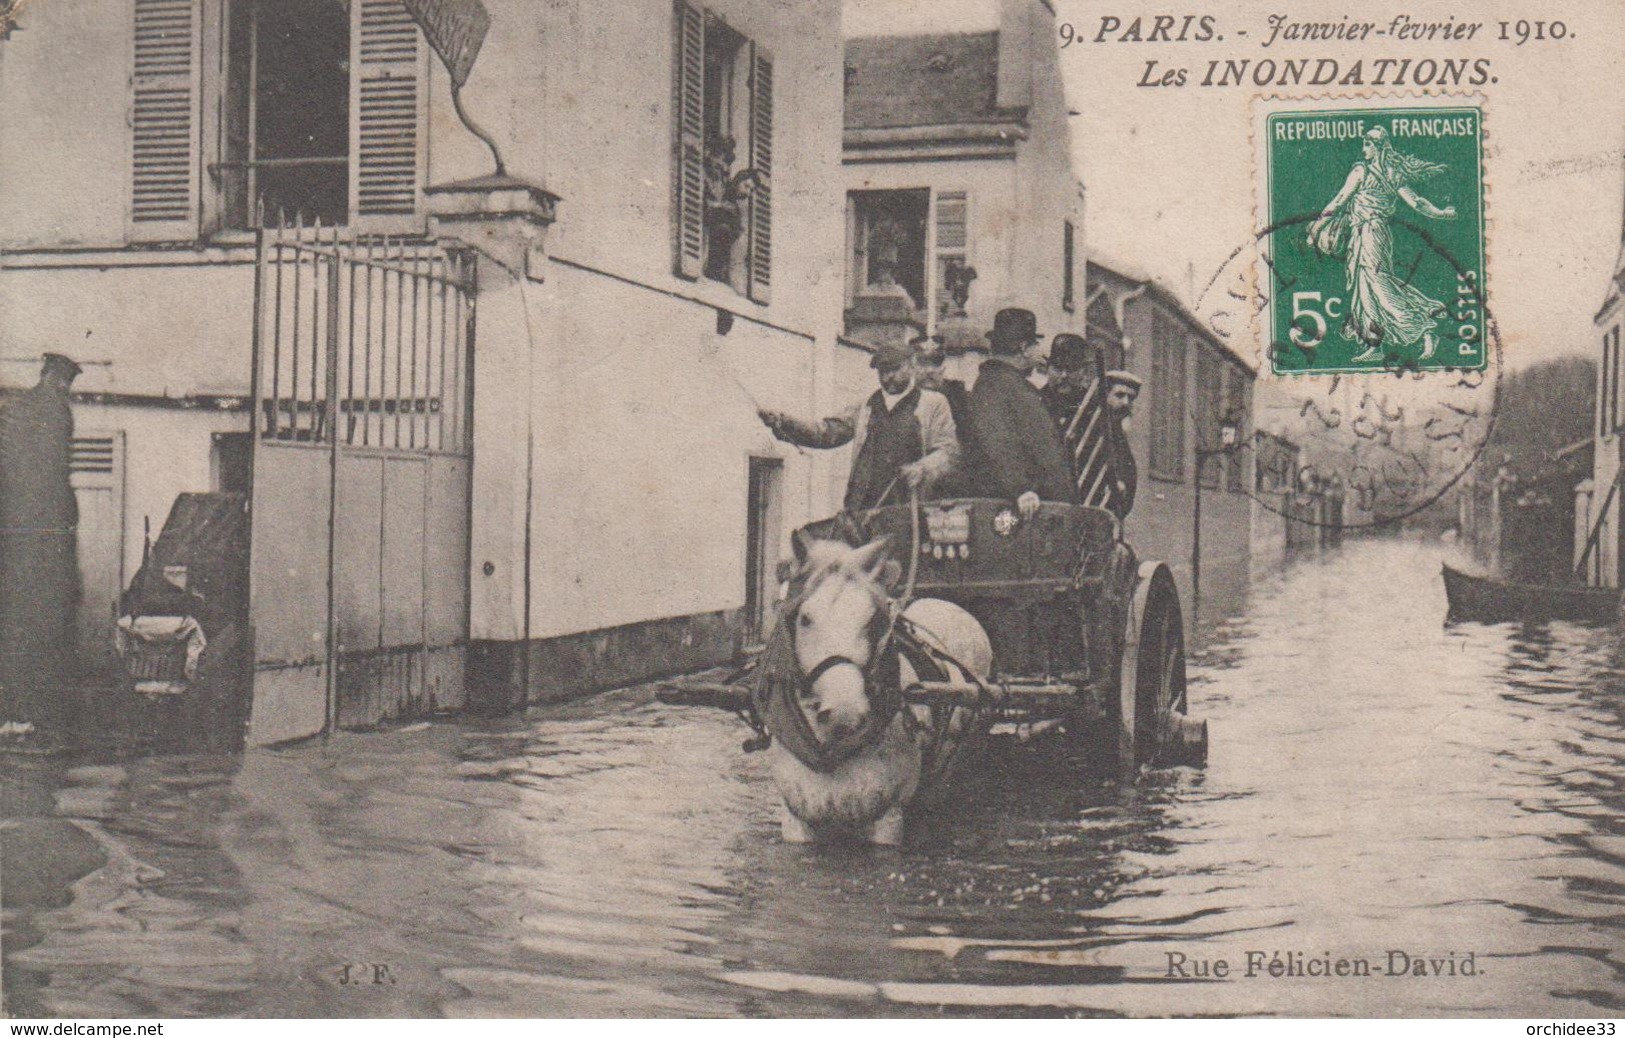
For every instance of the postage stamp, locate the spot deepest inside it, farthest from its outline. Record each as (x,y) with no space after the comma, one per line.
(1374,254)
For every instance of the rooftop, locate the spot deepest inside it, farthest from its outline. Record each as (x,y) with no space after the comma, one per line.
(934,80)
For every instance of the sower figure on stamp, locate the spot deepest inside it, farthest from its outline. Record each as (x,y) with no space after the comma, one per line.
(903,435)
(1385,311)
(39,569)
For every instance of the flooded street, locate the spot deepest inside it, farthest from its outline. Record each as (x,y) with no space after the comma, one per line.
(1378,783)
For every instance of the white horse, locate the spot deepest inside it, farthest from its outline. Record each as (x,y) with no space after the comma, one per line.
(843,708)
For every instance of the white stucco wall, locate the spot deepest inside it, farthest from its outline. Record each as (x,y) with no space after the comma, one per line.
(641,439)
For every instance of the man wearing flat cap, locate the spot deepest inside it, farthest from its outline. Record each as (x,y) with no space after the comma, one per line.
(39,570)
(1018,448)
(903,435)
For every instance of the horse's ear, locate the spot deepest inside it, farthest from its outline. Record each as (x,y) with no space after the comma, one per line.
(861,558)
(889,574)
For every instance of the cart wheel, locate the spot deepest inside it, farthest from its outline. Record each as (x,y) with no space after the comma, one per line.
(1154,729)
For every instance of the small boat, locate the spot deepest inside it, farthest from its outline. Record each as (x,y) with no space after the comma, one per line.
(1487,600)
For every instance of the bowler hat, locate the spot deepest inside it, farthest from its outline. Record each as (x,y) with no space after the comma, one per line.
(62,365)
(1013,327)
(891,355)
(1068,352)
(1124,378)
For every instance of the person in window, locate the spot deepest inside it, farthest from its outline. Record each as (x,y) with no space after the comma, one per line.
(888,239)
(903,435)
(1122,389)
(39,568)
(1018,449)
(726,193)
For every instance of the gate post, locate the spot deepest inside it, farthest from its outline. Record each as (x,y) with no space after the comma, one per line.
(504,220)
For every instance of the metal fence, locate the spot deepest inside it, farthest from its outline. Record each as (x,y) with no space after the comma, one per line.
(369,337)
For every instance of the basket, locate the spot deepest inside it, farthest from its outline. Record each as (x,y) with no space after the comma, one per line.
(156,661)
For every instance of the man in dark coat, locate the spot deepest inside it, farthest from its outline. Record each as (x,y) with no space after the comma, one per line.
(1018,448)
(902,436)
(39,569)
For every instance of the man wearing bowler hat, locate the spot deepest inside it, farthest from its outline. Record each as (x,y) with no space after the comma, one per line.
(1018,448)
(1069,375)
(39,569)
(902,436)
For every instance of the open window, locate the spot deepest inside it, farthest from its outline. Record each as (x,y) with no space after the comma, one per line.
(286,112)
(313,109)
(889,251)
(908,257)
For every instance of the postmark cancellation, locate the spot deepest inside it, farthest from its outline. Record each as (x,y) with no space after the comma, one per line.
(1372,241)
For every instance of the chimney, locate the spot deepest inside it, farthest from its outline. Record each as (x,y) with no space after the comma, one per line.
(1017,23)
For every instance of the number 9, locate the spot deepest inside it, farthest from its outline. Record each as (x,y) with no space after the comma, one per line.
(1068,34)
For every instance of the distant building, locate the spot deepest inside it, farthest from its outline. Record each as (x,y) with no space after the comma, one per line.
(1517,517)
(1193,382)
(1600,549)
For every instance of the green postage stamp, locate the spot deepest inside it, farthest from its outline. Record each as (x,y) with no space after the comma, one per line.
(1373,240)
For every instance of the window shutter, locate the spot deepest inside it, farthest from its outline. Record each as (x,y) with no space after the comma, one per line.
(1069,263)
(164,121)
(688,105)
(761,160)
(387,102)
(952,243)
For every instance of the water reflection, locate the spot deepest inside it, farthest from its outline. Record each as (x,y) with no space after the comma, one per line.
(1378,783)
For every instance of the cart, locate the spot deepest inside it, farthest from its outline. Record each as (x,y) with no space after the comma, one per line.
(1085,636)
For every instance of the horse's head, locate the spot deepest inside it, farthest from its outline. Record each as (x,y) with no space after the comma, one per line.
(840,617)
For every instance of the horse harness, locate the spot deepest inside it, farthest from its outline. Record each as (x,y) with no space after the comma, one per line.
(780,686)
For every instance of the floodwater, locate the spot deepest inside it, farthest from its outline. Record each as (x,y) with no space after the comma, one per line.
(1379,783)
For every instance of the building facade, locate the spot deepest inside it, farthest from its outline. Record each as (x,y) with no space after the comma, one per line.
(659,256)
(1193,384)
(961,197)
(1599,543)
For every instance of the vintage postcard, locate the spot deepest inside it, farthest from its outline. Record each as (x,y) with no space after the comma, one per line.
(811,508)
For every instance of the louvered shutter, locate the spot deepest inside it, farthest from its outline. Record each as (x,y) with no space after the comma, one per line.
(761,160)
(688,159)
(952,247)
(387,117)
(164,121)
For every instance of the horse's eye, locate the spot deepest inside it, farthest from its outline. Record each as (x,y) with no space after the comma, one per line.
(805,620)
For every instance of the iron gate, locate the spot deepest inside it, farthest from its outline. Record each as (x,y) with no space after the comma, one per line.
(362,394)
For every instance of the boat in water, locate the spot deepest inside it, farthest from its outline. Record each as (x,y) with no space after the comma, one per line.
(1488,600)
